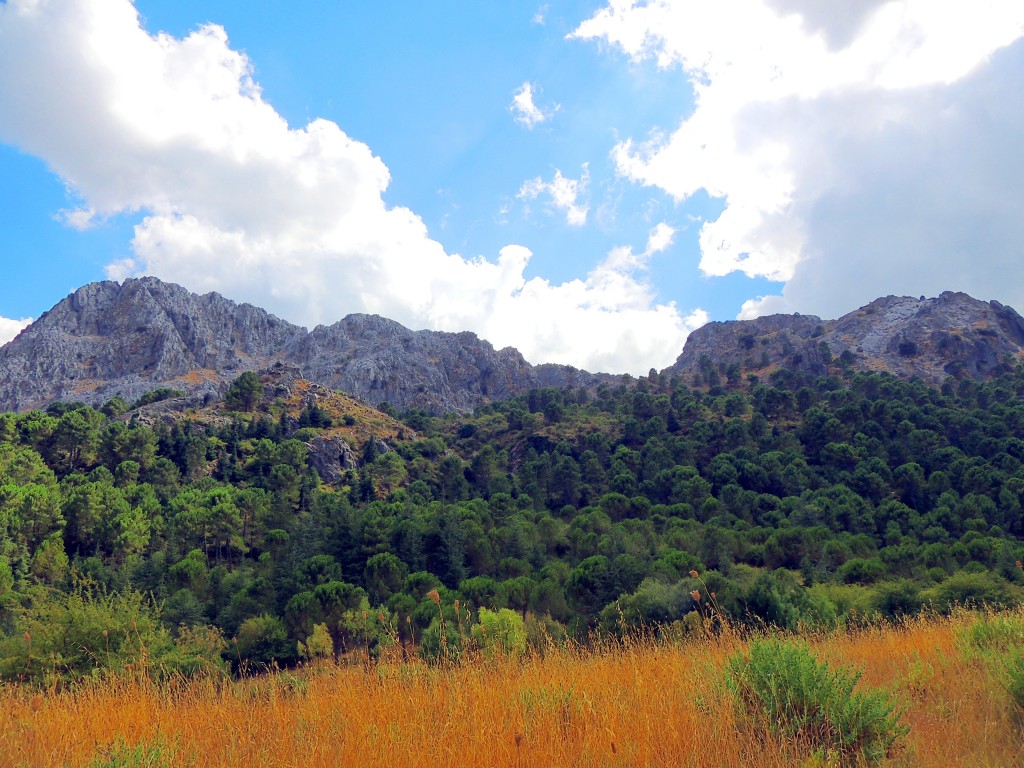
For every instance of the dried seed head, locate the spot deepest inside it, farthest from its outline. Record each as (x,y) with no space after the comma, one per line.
(1020,565)
(695,594)
(105,633)
(456,607)
(28,637)
(694,575)
(433,595)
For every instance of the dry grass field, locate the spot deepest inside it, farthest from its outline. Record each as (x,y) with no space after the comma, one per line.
(641,703)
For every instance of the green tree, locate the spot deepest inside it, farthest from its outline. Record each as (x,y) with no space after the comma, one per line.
(318,645)
(244,393)
(263,640)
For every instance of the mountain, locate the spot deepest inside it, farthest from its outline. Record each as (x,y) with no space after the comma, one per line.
(126,339)
(951,335)
(110,339)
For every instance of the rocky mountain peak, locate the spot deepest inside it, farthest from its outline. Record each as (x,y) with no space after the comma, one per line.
(931,338)
(125,339)
(108,338)
(128,338)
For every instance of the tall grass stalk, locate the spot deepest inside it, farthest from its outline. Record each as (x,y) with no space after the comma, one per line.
(642,703)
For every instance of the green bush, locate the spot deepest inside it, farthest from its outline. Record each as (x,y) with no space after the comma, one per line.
(994,634)
(156,754)
(1013,677)
(500,632)
(783,687)
(999,642)
(971,589)
(262,641)
(92,631)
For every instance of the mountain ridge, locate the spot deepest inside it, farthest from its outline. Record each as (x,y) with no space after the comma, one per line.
(125,339)
(952,334)
(108,339)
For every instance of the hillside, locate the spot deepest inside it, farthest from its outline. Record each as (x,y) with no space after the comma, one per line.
(287,513)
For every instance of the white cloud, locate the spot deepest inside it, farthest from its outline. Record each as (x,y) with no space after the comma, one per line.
(762,305)
(526,111)
(541,16)
(11,328)
(861,148)
(564,194)
(624,259)
(291,219)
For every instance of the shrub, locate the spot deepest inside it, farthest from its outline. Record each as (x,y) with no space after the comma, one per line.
(1013,677)
(784,688)
(994,634)
(500,632)
(999,641)
(319,645)
(91,631)
(155,396)
(263,640)
(971,589)
(156,754)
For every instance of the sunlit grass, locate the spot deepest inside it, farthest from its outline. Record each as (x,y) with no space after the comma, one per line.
(641,703)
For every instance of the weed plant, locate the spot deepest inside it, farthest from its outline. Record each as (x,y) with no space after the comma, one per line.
(997,640)
(781,685)
(156,754)
(1013,678)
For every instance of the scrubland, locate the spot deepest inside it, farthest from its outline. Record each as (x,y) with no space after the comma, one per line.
(642,701)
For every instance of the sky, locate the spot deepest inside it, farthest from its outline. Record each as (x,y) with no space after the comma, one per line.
(585,180)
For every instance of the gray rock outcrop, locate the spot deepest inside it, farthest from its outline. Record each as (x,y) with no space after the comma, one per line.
(950,335)
(110,339)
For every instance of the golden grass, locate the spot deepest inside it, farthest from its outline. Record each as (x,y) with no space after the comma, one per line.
(638,704)
(369,422)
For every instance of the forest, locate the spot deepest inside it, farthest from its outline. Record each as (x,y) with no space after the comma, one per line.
(207,540)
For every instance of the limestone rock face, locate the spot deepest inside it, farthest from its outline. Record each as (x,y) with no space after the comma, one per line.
(125,339)
(379,360)
(330,456)
(107,339)
(951,335)
(747,345)
(110,339)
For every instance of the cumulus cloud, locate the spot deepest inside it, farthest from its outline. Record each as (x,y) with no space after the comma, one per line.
(563,194)
(235,200)
(11,328)
(625,259)
(526,111)
(861,148)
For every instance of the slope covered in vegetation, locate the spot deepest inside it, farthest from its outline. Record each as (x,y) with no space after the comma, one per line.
(209,539)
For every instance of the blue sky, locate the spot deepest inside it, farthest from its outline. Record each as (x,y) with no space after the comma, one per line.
(584,181)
